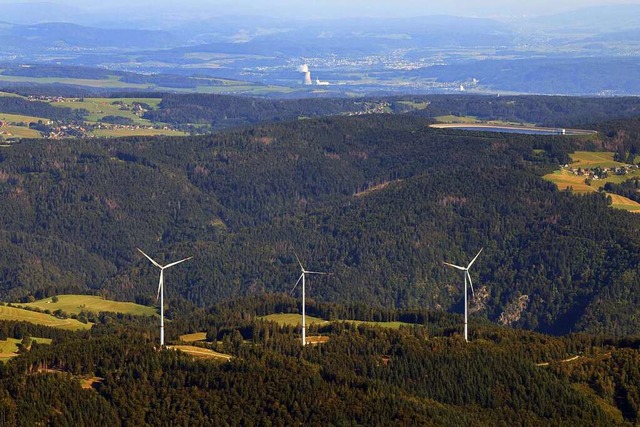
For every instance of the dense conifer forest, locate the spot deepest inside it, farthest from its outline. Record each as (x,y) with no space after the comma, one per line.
(378,200)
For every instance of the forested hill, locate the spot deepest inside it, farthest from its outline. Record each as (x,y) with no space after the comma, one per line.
(220,111)
(113,375)
(380,201)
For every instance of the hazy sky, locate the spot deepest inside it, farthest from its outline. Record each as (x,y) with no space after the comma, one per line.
(341,8)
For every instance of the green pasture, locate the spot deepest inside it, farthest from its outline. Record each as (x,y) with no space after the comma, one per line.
(456,119)
(74,304)
(19,118)
(122,132)
(293,319)
(594,159)
(101,107)
(20,314)
(415,105)
(19,132)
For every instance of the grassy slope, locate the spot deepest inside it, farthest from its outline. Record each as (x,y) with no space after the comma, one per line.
(19,314)
(74,304)
(201,352)
(293,319)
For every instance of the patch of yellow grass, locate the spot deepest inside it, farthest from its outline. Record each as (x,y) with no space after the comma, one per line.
(74,304)
(565,179)
(197,336)
(122,132)
(292,319)
(593,159)
(20,314)
(621,202)
(201,352)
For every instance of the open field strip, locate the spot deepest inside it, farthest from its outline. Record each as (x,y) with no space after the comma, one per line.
(19,132)
(197,336)
(292,319)
(201,352)
(74,304)
(17,118)
(20,314)
(594,159)
(121,132)
(620,202)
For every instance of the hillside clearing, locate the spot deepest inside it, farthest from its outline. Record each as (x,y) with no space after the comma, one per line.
(195,337)
(293,319)
(74,304)
(20,314)
(199,352)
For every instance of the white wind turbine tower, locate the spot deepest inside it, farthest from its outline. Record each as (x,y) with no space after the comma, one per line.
(466,275)
(303,278)
(161,290)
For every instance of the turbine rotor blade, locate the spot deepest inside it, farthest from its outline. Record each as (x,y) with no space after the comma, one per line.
(301,267)
(455,266)
(149,258)
(296,285)
(471,284)
(318,272)
(160,284)
(474,259)
(176,262)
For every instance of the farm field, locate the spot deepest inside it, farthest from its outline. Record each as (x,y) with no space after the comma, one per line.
(199,352)
(20,314)
(594,159)
(564,179)
(621,202)
(292,319)
(9,347)
(74,304)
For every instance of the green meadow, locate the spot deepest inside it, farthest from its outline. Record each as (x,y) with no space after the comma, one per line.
(21,314)
(293,319)
(74,304)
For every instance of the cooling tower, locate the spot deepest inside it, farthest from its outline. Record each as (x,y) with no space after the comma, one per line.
(307,78)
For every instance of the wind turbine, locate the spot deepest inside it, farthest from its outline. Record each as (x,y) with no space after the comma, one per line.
(466,275)
(303,278)
(161,290)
